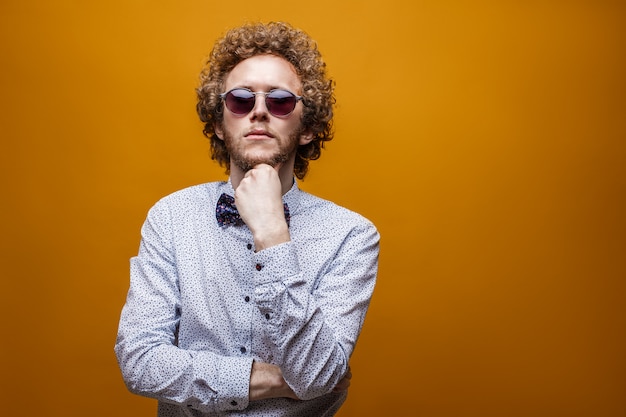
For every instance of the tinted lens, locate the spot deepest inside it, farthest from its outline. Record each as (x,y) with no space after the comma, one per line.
(280,102)
(240,101)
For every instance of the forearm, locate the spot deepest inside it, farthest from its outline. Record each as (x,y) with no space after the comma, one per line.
(186,377)
(153,366)
(152,360)
(311,357)
(314,322)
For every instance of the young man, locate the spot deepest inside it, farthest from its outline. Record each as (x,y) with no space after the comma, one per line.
(247,296)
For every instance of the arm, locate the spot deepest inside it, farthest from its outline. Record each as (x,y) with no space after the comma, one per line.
(151,362)
(313,330)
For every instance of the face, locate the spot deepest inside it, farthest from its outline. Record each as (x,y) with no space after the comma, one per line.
(259,136)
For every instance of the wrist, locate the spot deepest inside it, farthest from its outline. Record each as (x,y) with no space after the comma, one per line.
(270,236)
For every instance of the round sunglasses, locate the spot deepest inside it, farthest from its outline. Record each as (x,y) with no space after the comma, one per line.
(278,102)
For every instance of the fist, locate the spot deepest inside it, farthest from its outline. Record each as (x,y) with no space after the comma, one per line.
(259,202)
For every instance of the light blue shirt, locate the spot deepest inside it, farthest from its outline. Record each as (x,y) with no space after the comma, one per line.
(202,305)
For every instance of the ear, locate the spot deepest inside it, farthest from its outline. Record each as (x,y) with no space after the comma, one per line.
(219,132)
(306,138)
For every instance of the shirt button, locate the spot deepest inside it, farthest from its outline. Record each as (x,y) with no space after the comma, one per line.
(249,246)
(243,349)
(247,299)
(258,267)
(267,316)
(233,403)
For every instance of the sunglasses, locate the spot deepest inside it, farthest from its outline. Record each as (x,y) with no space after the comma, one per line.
(278,102)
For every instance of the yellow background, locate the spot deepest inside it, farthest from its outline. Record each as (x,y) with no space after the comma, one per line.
(486,139)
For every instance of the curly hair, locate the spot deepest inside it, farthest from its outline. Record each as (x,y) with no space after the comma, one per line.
(297,48)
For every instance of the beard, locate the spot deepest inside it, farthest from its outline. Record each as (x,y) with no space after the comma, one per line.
(248,159)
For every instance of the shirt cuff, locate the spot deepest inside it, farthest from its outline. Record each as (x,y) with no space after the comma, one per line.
(233,391)
(276,263)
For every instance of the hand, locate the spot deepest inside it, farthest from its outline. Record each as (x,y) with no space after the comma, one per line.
(344,383)
(259,201)
(266,381)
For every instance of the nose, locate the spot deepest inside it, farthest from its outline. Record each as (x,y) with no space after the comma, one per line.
(259,111)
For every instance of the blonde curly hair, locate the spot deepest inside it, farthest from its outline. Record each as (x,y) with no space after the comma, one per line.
(297,48)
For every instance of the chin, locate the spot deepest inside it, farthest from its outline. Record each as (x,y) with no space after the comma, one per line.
(269,158)
(247,164)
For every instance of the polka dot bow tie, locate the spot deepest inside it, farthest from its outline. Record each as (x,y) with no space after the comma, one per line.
(227,215)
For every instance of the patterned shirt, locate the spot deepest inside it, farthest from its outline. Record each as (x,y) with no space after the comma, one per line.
(202,305)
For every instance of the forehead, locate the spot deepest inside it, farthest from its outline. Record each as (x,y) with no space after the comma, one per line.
(262,73)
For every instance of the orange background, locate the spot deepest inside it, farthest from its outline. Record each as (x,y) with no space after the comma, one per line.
(498,128)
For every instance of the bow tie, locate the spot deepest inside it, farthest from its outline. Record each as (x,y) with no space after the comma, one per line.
(227,215)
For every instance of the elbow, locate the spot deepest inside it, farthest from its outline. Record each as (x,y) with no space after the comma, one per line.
(130,364)
(129,372)
(313,390)
(308,387)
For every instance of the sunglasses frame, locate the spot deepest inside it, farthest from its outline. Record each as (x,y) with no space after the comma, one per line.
(263,93)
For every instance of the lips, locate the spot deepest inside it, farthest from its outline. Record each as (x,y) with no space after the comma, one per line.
(259,133)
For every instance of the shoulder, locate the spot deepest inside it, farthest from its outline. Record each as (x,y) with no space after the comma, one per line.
(194,193)
(331,215)
(191,198)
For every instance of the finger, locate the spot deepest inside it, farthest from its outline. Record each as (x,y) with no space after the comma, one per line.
(346,383)
(262,166)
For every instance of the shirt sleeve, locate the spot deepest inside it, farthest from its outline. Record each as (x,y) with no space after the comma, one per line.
(151,362)
(314,331)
